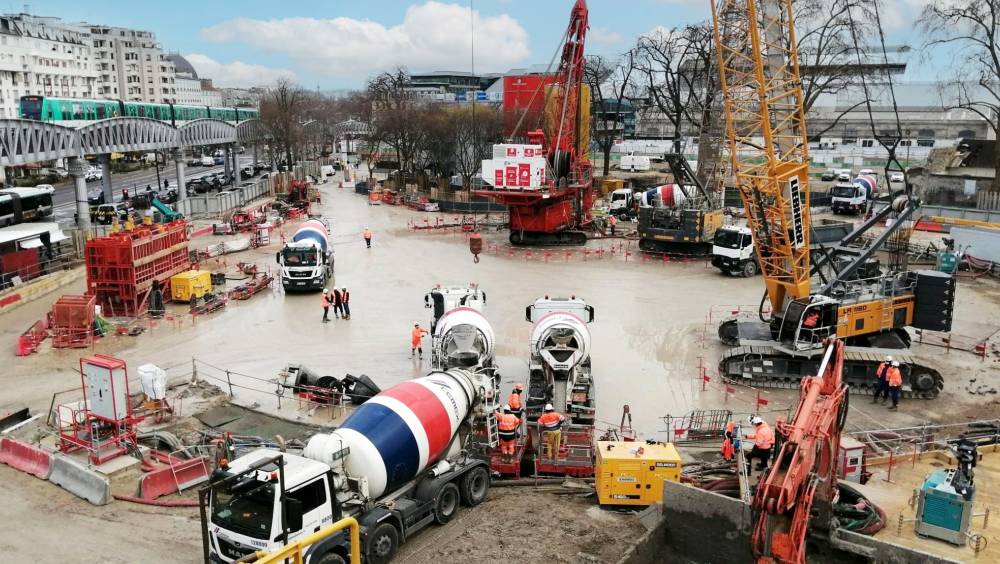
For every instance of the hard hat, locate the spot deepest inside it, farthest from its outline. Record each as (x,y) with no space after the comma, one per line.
(325,291)
(506,408)
(416,325)
(548,407)
(895,363)
(519,386)
(888,358)
(756,420)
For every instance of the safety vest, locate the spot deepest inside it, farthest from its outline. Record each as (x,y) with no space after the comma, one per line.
(367,234)
(613,221)
(416,335)
(325,299)
(894,377)
(880,371)
(507,424)
(514,401)
(551,421)
(763,436)
(346,296)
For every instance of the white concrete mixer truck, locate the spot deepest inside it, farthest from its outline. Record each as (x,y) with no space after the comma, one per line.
(559,367)
(461,336)
(399,463)
(307,260)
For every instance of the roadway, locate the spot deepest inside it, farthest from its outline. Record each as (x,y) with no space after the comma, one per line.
(64,199)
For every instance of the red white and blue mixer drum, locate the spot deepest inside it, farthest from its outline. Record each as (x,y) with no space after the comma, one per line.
(867,181)
(401,431)
(312,230)
(665,196)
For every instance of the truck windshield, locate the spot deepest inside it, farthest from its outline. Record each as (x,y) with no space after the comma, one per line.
(728,239)
(616,197)
(300,257)
(248,511)
(843,191)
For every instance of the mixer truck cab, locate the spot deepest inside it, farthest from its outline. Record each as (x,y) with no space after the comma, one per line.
(622,203)
(853,197)
(307,260)
(399,463)
(733,252)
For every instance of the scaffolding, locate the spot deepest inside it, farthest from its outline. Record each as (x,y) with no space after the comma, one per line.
(124,267)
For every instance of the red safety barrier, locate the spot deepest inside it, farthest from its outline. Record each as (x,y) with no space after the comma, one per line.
(30,339)
(179,475)
(26,458)
(200,232)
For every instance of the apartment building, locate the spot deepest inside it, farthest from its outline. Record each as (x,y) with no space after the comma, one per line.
(43,56)
(131,65)
(191,89)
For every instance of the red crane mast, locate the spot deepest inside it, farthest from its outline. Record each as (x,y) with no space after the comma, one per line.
(546,184)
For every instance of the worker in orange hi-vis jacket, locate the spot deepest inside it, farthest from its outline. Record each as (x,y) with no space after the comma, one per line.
(416,340)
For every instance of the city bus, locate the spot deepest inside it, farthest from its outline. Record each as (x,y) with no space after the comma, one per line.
(18,205)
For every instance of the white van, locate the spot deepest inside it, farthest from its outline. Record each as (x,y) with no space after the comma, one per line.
(634,163)
(207,161)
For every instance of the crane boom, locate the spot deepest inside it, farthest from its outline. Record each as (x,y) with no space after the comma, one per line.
(762,101)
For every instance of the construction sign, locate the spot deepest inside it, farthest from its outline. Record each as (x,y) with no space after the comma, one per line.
(515,172)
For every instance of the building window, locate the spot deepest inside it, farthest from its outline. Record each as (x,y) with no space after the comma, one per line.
(967,134)
(867,142)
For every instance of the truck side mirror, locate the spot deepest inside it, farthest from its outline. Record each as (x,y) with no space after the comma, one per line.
(293,514)
(527,314)
(277,257)
(427,301)
(590,310)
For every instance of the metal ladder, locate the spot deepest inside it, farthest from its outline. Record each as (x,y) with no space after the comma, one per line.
(493,429)
(887,312)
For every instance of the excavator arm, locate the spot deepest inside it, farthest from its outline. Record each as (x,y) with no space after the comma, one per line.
(804,470)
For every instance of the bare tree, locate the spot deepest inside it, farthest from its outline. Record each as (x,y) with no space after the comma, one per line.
(970,28)
(612,85)
(394,107)
(477,128)
(282,110)
(674,65)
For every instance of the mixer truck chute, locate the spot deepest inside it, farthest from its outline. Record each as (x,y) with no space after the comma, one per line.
(559,368)
(462,338)
(307,260)
(397,464)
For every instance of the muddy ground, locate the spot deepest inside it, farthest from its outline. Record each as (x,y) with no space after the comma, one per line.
(650,334)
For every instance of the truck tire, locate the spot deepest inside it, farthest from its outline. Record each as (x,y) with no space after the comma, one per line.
(475,486)
(749,269)
(382,544)
(330,558)
(447,503)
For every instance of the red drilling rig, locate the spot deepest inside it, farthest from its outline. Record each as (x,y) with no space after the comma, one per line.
(546,184)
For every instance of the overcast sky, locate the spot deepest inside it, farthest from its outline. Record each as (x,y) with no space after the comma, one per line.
(339,44)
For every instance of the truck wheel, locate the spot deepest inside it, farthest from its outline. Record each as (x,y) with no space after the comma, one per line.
(749,269)
(475,486)
(447,503)
(382,544)
(331,558)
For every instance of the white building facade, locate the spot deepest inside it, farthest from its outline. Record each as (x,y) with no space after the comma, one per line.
(131,66)
(43,56)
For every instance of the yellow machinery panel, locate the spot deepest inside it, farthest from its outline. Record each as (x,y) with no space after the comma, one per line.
(632,473)
(188,284)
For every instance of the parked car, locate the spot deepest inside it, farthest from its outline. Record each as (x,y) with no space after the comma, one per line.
(47,187)
(896,177)
(218,159)
(94,173)
(197,186)
(844,177)
(170,196)
(57,171)
(105,213)
(828,175)
(207,161)
(196,161)
(95,197)
(248,171)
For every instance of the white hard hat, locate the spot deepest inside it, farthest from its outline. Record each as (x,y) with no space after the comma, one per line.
(325,291)
(756,420)
(548,407)
(895,363)
(888,358)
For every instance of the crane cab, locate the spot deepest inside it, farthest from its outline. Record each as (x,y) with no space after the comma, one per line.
(807,322)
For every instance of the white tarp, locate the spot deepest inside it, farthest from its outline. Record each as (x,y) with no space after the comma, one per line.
(28,231)
(153,380)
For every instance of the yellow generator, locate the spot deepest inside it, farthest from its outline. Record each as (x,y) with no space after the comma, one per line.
(632,473)
(188,284)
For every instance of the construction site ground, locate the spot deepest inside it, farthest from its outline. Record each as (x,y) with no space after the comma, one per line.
(652,332)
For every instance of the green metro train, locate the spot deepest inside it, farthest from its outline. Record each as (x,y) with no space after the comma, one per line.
(75,112)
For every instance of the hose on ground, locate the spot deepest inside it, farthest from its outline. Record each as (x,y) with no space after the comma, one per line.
(158,502)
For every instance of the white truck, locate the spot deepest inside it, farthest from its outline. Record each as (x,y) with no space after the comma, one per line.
(307,260)
(733,251)
(853,197)
(461,336)
(400,462)
(559,366)
(622,203)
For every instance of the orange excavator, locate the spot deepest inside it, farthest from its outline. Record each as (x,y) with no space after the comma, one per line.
(803,478)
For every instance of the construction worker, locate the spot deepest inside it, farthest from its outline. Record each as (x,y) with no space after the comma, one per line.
(728,444)
(416,340)
(612,222)
(514,401)
(763,441)
(508,424)
(551,423)
(894,380)
(338,303)
(345,297)
(325,300)
(367,234)
(881,384)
